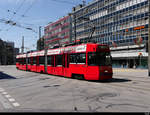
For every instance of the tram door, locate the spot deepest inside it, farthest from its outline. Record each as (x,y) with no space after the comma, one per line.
(66,65)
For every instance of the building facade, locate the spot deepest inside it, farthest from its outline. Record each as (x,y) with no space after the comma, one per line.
(40,44)
(8,53)
(58,33)
(122,24)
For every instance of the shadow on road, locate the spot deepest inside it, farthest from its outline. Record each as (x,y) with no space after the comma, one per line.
(117,80)
(5,76)
(113,80)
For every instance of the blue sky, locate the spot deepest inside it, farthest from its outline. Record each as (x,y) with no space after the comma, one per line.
(30,14)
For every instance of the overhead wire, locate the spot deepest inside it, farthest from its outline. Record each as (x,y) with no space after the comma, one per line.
(13,16)
(67,1)
(64,1)
(7,19)
(23,15)
(17,10)
(27,10)
(30,6)
(15,13)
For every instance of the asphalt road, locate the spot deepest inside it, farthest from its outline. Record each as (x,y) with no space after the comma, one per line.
(21,91)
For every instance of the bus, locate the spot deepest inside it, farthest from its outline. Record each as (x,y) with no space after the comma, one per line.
(88,61)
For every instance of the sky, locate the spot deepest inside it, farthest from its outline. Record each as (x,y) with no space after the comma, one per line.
(30,14)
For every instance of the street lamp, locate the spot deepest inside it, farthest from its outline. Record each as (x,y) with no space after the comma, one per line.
(149,42)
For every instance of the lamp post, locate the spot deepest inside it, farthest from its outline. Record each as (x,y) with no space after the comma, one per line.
(75,35)
(44,46)
(22,47)
(45,49)
(149,41)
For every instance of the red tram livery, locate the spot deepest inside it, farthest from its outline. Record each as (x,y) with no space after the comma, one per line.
(85,61)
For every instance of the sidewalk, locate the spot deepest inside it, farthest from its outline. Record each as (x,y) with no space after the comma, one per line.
(127,72)
(129,69)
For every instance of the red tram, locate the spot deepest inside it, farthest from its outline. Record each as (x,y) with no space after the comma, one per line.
(86,61)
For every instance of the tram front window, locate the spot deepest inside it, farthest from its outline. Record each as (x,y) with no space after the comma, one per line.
(99,59)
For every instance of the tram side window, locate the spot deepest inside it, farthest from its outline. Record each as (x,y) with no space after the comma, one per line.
(28,60)
(68,59)
(92,59)
(49,60)
(73,58)
(81,58)
(17,60)
(99,59)
(34,60)
(24,61)
(42,60)
(21,61)
(31,60)
(59,59)
(52,60)
(78,58)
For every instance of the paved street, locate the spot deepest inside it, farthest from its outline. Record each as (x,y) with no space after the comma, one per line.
(21,91)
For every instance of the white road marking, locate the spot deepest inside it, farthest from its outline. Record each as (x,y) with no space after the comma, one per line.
(4,93)
(8,96)
(11,99)
(1,90)
(16,104)
(5,103)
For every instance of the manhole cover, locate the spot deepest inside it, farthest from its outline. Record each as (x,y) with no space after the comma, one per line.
(46,86)
(43,78)
(108,95)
